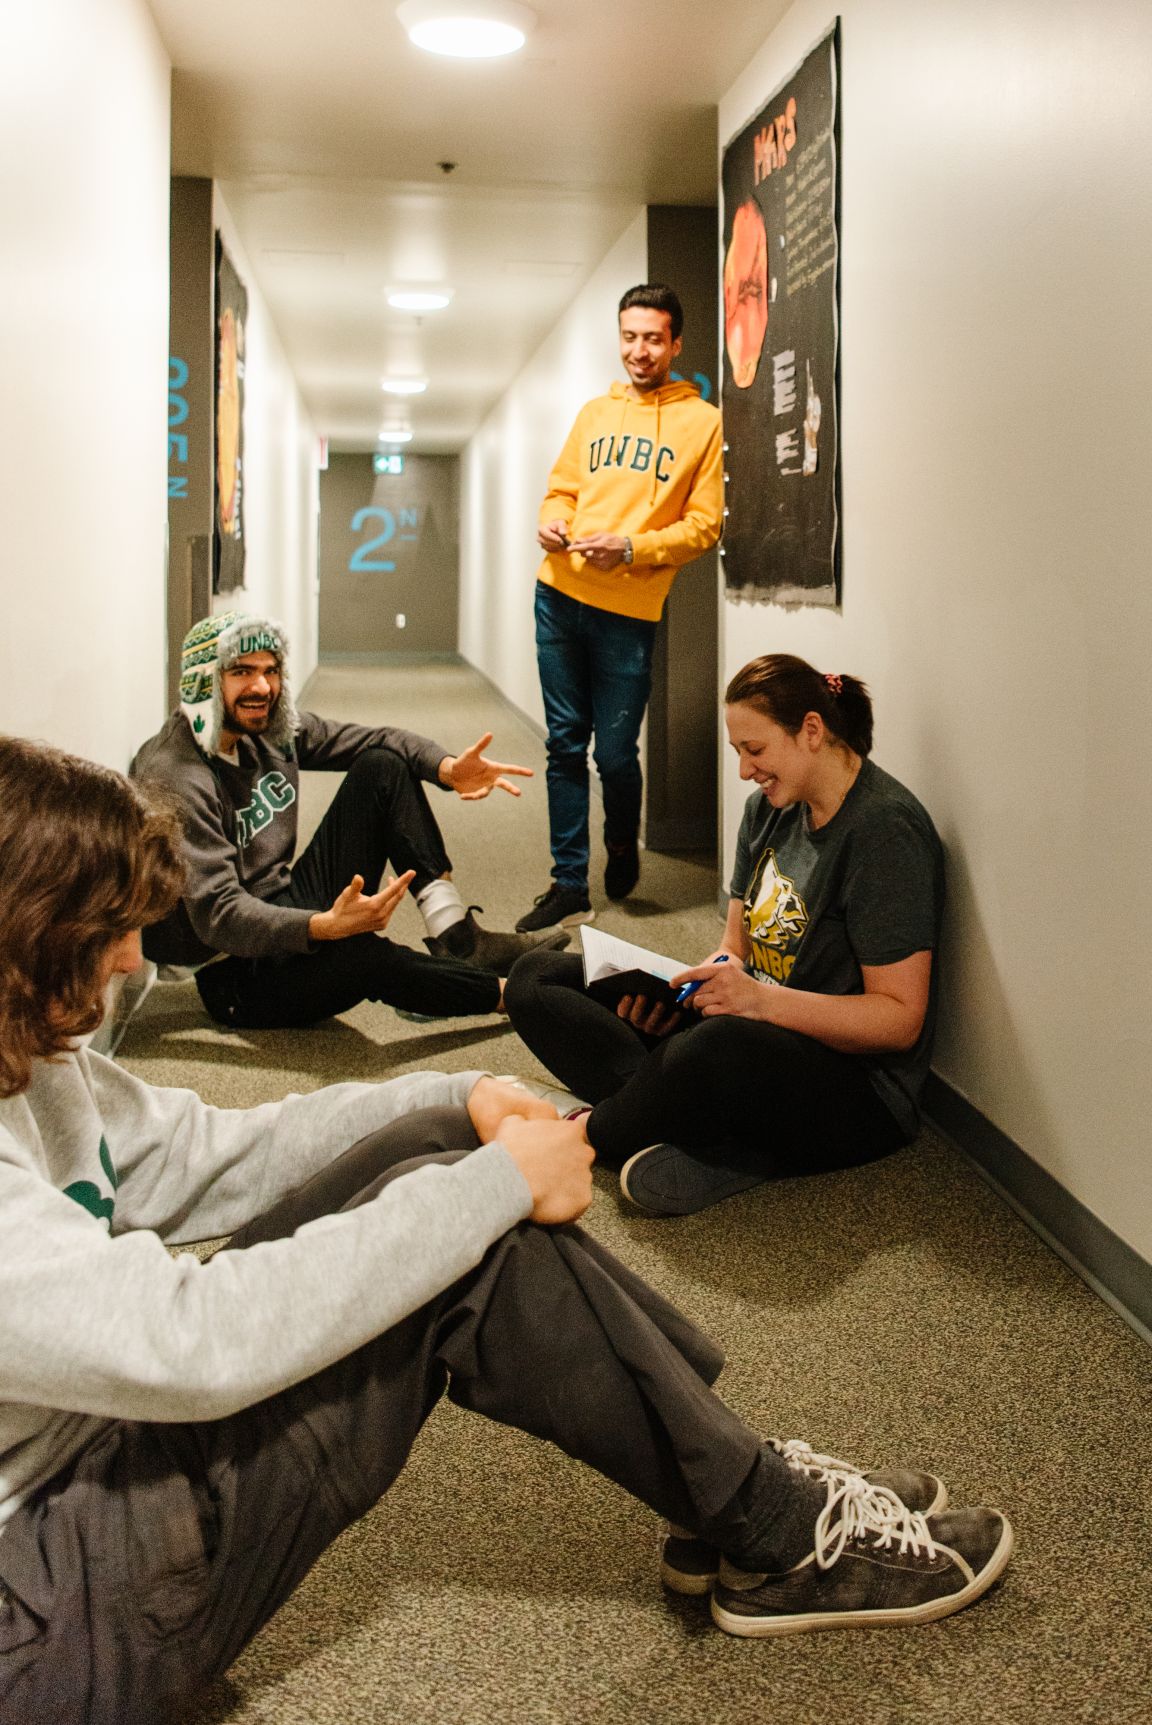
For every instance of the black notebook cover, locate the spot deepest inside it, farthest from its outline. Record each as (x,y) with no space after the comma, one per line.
(610,990)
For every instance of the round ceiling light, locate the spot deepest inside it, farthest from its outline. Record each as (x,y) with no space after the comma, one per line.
(404,385)
(424,299)
(467,29)
(394,434)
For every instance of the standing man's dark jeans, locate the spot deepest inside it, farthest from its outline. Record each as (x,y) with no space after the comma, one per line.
(140,1573)
(595,677)
(379,819)
(748,1095)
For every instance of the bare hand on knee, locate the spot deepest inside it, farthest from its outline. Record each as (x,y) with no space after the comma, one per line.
(556,1160)
(492,1101)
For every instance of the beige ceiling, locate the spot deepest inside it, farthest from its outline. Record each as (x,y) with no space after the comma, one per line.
(325,126)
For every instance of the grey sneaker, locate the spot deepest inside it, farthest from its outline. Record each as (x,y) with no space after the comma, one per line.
(874,1562)
(559,907)
(566,1104)
(690,1565)
(667,1181)
(484,949)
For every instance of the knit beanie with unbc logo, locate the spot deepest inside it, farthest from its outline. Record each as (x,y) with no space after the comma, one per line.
(213,646)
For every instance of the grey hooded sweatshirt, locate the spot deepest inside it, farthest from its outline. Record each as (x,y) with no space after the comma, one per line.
(99,1171)
(239,817)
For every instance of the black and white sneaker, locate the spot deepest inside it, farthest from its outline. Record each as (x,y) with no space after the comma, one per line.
(559,907)
(690,1565)
(874,1562)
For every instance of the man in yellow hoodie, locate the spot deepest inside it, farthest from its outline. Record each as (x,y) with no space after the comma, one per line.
(637,491)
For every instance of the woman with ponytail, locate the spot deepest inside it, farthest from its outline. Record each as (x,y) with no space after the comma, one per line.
(806,1039)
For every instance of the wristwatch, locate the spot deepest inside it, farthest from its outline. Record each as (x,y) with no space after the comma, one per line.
(628,551)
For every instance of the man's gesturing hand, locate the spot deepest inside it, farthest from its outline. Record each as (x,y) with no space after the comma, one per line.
(357,913)
(493,1100)
(472,776)
(556,1160)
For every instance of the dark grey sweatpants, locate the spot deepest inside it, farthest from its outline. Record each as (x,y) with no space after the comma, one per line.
(141,1571)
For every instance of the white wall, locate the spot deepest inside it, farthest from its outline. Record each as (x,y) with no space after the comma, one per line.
(997,404)
(505,468)
(281,477)
(84,361)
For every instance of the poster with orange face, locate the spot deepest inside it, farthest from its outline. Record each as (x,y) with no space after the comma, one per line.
(231,322)
(779,391)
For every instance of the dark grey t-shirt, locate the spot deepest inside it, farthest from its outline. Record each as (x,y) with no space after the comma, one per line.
(867,888)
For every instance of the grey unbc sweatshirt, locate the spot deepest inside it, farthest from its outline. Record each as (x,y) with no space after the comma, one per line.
(240,822)
(98,1171)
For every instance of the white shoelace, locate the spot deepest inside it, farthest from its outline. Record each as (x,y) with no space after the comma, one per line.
(857,1510)
(803,1457)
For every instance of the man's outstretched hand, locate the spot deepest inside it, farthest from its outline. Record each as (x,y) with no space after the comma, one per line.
(473,776)
(556,1160)
(356,912)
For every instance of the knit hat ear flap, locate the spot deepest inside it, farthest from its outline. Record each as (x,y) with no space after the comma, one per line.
(214,645)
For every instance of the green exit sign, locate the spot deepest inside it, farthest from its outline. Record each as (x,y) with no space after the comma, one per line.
(387,464)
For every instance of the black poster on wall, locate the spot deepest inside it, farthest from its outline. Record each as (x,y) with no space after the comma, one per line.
(781,335)
(231,322)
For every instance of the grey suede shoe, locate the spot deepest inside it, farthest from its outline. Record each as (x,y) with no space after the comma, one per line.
(690,1565)
(484,949)
(874,1562)
(667,1181)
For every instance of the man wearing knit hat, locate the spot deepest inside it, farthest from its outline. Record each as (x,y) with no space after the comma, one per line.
(290,945)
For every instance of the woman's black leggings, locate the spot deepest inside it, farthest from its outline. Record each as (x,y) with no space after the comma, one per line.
(748,1094)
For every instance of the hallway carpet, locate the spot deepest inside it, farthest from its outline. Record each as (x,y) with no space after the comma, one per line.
(897,1313)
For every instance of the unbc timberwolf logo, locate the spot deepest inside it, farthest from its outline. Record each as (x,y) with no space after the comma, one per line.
(779,916)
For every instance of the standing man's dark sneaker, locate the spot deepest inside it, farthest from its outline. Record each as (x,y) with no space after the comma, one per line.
(874,1562)
(691,1565)
(559,907)
(485,948)
(622,870)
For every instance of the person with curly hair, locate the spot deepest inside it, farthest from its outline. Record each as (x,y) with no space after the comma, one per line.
(180,1440)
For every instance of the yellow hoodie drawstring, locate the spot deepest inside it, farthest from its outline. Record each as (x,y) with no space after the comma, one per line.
(656,462)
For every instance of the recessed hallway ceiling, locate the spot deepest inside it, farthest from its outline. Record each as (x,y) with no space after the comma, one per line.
(325,126)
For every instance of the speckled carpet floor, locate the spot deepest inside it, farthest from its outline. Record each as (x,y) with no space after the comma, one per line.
(897,1313)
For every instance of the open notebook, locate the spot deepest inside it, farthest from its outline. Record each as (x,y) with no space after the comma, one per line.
(614,968)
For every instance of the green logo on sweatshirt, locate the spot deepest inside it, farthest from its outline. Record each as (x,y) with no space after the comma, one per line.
(272,794)
(89,1197)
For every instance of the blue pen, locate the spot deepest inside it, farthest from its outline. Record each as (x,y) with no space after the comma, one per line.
(690,988)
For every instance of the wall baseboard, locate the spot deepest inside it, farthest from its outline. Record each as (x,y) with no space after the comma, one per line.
(534,725)
(1110,1267)
(418,657)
